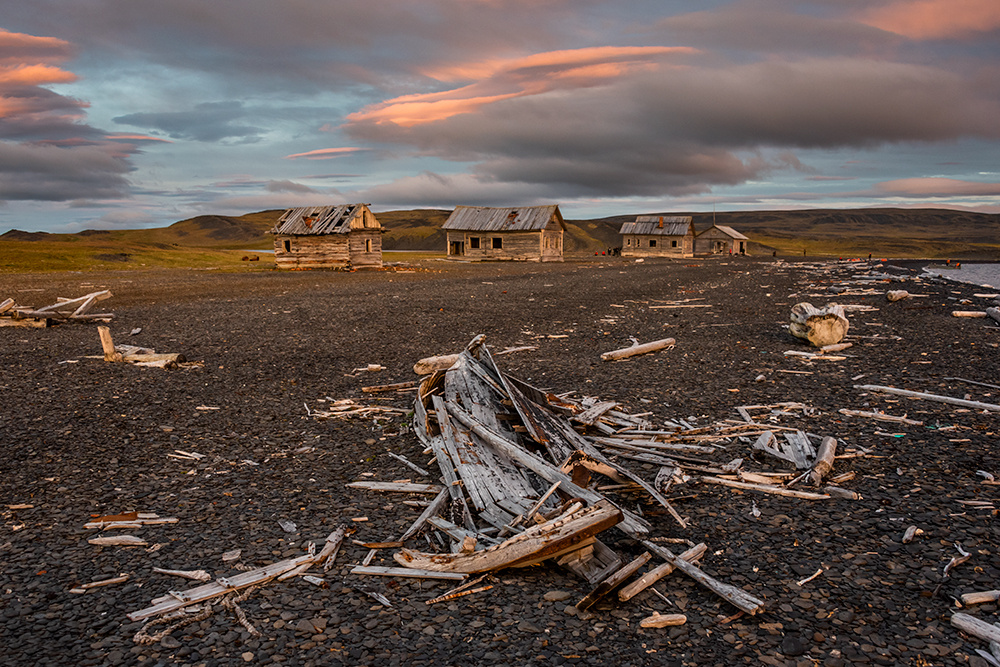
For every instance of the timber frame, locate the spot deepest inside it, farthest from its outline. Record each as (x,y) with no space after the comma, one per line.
(658,236)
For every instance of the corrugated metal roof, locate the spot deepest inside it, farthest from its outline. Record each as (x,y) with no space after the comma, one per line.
(673,225)
(319,220)
(512,219)
(728,231)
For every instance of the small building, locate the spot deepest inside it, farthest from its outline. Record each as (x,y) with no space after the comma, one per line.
(658,236)
(527,233)
(720,239)
(328,237)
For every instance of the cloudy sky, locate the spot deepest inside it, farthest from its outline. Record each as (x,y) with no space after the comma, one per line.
(126,113)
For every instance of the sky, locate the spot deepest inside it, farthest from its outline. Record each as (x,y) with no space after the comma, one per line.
(123,114)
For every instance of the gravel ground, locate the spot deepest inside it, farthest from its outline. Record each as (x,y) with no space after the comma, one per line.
(85,438)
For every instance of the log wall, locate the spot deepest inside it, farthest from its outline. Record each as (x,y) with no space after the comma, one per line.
(524,246)
(362,248)
(637,245)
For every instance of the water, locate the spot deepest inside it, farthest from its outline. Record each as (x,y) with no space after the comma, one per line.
(985,275)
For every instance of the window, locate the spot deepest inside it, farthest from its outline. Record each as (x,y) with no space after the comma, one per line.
(498,243)
(652,243)
(474,242)
(673,244)
(368,245)
(288,245)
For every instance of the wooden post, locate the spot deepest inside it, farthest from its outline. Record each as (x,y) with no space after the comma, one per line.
(824,460)
(108,345)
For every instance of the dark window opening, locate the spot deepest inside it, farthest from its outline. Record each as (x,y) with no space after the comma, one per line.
(652,243)
(288,245)
(673,244)
(474,242)
(498,243)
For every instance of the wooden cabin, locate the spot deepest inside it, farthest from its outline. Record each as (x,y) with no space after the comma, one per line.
(526,233)
(658,236)
(328,237)
(721,240)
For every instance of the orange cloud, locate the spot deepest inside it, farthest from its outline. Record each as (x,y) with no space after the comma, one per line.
(498,80)
(135,137)
(935,19)
(324,153)
(943,187)
(18,47)
(34,75)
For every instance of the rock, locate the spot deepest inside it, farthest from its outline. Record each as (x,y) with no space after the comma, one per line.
(247,656)
(556,596)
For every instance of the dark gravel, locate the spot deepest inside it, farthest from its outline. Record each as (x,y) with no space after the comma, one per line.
(82,437)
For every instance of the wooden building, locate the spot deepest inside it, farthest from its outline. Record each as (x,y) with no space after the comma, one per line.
(328,237)
(720,240)
(528,233)
(658,236)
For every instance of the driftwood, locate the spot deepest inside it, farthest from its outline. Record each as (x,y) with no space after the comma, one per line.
(83,588)
(195,575)
(976,627)
(880,416)
(398,386)
(896,295)
(407,572)
(638,348)
(993,314)
(972,314)
(613,582)
(981,597)
(836,347)
(396,487)
(551,539)
(658,620)
(735,596)
(961,402)
(134,355)
(63,309)
(118,540)
(824,460)
(765,488)
(819,326)
(692,555)
(428,365)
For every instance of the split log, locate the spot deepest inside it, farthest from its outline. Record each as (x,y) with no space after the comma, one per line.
(975,405)
(981,597)
(658,620)
(645,581)
(331,547)
(976,627)
(968,313)
(824,460)
(735,596)
(819,326)
(637,349)
(428,365)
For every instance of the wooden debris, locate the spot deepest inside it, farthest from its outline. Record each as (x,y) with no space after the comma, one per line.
(127,353)
(692,555)
(910,533)
(83,588)
(118,540)
(638,348)
(982,597)
(896,295)
(881,416)
(824,460)
(765,488)
(658,620)
(819,326)
(975,405)
(396,487)
(63,310)
(968,313)
(613,582)
(735,596)
(428,365)
(398,386)
(976,627)
(408,573)
(836,347)
(195,575)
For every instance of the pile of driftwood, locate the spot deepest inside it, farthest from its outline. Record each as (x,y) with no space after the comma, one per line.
(63,310)
(520,466)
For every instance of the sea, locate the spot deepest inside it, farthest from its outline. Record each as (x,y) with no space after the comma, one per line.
(985,275)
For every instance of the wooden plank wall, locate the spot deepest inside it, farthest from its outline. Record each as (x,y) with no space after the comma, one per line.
(332,251)
(524,246)
(685,246)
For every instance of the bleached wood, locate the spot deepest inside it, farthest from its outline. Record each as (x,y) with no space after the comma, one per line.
(639,585)
(108,344)
(195,575)
(613,582)
(428,365)
(993,314)
(819,326)
(407,572)
(981,597)
(6,305)
(968,313)
(398,386)
(824,460)
(396,487)
(735,596)
(764,488)
(83,588)
(642,348)
(976,627)
(896,295)
(658,620)
(880,416)
(118,540)
(975,405)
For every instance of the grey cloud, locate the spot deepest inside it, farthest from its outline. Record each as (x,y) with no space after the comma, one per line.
(53,173)
(209,121)
(288,186)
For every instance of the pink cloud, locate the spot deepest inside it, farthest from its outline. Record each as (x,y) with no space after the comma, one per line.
(324,153)
(499,80)
(938,187)
(18,47)
(935,19)
(34,75)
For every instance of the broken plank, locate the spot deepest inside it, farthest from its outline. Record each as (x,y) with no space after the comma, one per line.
(735,596)
(691,555)
(396,487)
(411,573)
(765,488)
(398,386)
(975,405)
(613,582)
(637,349)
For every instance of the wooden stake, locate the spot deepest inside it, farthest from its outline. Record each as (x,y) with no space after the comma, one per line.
(108,345)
